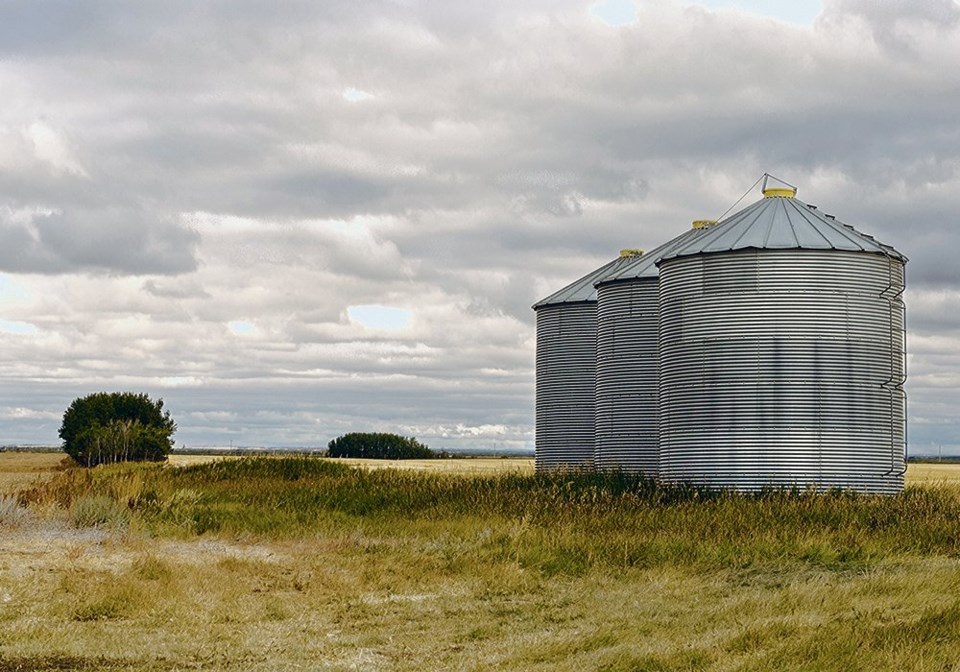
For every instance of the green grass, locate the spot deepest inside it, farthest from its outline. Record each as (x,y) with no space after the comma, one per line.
(267,563)
(556,524)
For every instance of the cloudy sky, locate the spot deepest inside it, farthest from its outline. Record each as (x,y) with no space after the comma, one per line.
(298,219)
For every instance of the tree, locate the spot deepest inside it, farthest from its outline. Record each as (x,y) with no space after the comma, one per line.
(378,445)
(116,427)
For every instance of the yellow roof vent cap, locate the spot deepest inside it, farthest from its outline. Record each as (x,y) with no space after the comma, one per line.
(780,192)
(703,223)
(631,252)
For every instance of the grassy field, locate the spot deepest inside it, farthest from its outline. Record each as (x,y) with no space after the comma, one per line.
(269,564)
(18,470)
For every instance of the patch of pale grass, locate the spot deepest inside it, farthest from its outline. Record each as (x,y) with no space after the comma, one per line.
(925,473)
(455,465)
(12,461)
(180,460)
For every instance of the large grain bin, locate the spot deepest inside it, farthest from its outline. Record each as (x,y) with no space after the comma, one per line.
(566,371)
(782,354)
(626,401)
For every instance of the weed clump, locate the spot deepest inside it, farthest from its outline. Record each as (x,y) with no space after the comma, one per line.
(12,513)
(98,511)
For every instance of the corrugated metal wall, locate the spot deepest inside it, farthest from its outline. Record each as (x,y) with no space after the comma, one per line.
(566,375)
(626,412)
(782,368)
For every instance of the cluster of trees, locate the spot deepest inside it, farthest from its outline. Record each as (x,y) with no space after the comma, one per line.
(107,427)
(378,445)
(103,427)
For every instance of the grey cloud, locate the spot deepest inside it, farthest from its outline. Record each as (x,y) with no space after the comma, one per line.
(103,241)
(328,192)
(891,21)
(933,260)
(175,290)
(60,26)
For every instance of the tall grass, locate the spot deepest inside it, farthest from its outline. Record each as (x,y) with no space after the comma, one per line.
(11,511)
(557,524)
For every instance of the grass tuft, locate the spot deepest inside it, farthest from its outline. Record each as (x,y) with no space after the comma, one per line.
(12,513)
(98,511)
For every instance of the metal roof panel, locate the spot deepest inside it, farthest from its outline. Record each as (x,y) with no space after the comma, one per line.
(646,266)
(582,289)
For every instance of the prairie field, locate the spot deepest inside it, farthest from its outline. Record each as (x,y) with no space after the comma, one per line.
(315,564)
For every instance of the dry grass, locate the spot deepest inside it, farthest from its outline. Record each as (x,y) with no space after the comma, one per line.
(457,465)
(362,593)
(933,473)
(18,470)
(372,603)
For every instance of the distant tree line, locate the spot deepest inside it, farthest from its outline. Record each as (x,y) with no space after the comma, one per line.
(379,445)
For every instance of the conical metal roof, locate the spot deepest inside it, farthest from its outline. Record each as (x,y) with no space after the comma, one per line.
(583,290)
(646,266)
(780,221)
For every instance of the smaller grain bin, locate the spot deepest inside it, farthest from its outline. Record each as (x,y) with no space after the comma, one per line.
(566,371)
(625,434)
(781,354)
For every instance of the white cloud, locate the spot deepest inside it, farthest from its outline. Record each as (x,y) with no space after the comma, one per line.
(21,413)
(50,147)
(804,12)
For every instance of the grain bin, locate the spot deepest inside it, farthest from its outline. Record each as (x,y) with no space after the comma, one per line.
(781,353)
(625,432)
(566,371)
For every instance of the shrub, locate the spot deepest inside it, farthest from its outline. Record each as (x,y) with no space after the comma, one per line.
(116,427)
(378,445)
(97,511)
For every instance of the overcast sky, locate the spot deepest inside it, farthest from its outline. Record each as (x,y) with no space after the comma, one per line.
(298,219)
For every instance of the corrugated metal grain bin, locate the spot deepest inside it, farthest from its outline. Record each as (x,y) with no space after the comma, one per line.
(566,372)
(782,354)
(626,400)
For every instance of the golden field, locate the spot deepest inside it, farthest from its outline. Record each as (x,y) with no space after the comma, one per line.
(18,469)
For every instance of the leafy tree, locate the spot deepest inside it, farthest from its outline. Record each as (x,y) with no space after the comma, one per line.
(116,427)
(378,445)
